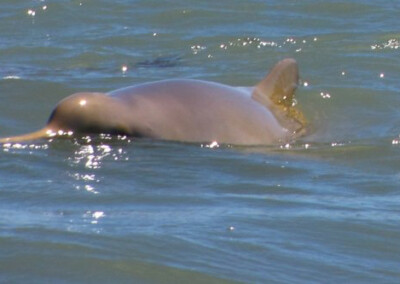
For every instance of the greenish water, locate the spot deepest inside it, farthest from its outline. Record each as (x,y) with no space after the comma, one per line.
(101,209)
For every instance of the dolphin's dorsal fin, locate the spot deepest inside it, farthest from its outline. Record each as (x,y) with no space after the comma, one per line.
(276,92)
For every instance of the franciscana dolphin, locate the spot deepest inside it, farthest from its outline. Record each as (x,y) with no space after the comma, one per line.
(186,110)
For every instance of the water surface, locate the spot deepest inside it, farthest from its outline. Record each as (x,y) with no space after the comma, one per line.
(322,209)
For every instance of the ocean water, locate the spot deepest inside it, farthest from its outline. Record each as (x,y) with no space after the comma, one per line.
(104,209)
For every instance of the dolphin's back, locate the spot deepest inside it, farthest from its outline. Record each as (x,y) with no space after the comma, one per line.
(195,110)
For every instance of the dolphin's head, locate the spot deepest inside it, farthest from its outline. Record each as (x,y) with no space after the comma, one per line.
(89,113)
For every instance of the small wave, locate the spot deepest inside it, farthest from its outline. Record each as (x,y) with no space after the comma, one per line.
(11,77)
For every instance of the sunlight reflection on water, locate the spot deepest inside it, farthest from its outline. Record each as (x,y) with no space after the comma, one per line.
(90,157)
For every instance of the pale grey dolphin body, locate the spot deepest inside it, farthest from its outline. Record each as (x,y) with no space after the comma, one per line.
(186,110)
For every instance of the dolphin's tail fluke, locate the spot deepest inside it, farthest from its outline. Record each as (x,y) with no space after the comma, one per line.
(276,92)
(42,133)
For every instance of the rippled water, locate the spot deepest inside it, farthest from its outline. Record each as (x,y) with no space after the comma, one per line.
(111,209)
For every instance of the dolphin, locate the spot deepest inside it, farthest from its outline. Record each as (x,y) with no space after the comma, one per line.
(186,110)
